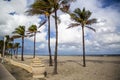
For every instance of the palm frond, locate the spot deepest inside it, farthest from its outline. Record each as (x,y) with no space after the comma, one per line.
(73,25)
(39,4)
(33,11)
(31,35)
(38,31)
(64,5)
(42,23)
(87,14)
(16,36)
(58,19)
(91,21)
(28,32)
(20,30)
(25,36)
(67,1)
(32,29)
(76,18)
(65,8)
(77,11)
(91,28)
(16,45)
(40,7)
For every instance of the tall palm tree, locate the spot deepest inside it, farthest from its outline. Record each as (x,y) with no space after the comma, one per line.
(20,32)
(32,31)
(64,6)
(56,42)
(81,18)
(44,7)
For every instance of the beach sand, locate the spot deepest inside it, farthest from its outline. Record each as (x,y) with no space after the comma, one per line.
(70,68)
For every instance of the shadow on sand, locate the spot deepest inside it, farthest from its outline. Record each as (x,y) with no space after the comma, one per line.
(103,61)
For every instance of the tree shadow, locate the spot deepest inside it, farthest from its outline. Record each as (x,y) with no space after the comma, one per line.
(75,61)
(103,61)
(93,61)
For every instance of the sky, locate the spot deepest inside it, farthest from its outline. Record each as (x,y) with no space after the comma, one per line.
(106,39)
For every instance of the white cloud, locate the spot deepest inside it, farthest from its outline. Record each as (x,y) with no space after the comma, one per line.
(9,22)
(42,46)
(109,38)
(68,35)
(18,5)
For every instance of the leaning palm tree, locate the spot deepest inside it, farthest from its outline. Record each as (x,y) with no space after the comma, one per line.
(32,31)
(20,33)
(44,7)
(81,18)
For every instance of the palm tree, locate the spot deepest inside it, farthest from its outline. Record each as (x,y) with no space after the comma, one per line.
(62,5)
(32,31)
(16,46)
(81,18)
(1,47)
(44,7)
(20,31)
(56,42)
(9,42)
(9,48)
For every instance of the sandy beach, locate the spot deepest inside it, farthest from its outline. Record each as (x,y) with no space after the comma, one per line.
(70,68)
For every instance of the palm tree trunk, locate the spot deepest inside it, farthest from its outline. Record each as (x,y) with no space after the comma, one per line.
(22,58)
(14,52)
(50,56)
(17,53)
(1,52)
(56,43)
(34,44)
(83,41)
(11,53)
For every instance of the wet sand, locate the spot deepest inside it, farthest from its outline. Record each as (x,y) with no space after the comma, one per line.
(70,68)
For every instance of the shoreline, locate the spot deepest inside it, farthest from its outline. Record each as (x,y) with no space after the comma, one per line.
(99,55)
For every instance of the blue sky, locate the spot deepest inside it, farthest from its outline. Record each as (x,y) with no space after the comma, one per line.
(106,40)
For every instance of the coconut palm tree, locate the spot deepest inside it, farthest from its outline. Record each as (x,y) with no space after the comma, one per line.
(81,18)
(32,31)
(62,5)
(20,32)
(44,7)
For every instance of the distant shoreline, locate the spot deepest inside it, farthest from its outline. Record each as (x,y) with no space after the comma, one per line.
(77,55)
